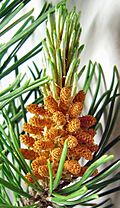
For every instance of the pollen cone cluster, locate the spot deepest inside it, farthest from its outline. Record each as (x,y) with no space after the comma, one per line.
(48,129)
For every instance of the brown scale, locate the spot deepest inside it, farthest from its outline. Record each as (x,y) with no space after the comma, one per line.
(80,151)
(37,162)
(65,99)
(44,153)
(37,175)
(28,154)
(51,104)
(76,133)
(95,173)
(73,125)
(28,176)
(36,109)
(87,121)
(27,140)
(75,109)
(72,141)
(43,171)
(59,118)
(93,147)
(37,121)
(32,129)
(80,97)
(72,166)
(84,137)
(91,131)
(53,132)
(83,170)
(85,152)
(56,154)
(43,145)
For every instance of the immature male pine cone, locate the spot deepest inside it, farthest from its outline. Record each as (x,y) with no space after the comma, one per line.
(46,135)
